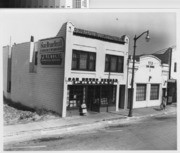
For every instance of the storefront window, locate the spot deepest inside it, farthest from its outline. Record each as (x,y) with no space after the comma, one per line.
(75,97)
(108,95)
(141,92)
(154,92)
(82,60)
(114,63)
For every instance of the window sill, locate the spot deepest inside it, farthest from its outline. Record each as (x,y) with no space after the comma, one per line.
(83,71)
(114,73)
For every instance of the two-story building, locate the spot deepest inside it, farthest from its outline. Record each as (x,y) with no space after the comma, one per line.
(60,73)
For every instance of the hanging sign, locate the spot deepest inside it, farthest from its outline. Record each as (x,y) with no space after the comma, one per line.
(52,51)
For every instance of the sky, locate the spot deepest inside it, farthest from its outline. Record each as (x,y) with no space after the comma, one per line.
(20,25)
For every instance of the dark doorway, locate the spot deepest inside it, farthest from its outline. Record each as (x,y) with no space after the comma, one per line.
(93,98)
(164,92)
(121,96)
(171,91)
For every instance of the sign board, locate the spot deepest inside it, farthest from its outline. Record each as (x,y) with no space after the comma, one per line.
(52,51)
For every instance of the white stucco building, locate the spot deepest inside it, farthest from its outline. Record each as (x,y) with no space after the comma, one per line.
(74,67)
(150,81)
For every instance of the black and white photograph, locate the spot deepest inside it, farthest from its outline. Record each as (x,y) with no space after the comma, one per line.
(88,79)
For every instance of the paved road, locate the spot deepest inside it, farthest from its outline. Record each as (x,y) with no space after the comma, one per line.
(156,133)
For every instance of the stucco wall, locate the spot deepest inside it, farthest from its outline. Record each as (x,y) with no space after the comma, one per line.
(148,76)
(41,89)
(5,70)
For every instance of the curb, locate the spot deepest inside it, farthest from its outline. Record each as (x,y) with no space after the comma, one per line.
(53,131)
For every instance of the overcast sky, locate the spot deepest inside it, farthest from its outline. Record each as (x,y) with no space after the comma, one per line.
(20,25)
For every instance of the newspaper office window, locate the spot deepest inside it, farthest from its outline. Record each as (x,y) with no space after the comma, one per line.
(114,63)
(141,92)
(154,92)
(82,60)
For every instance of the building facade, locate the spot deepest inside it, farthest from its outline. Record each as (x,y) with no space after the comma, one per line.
(170,56)
(150,81)
(48,4)
(63,72)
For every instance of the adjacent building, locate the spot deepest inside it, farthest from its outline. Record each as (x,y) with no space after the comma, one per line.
(150,81)
(48,4)
(61,73)
(170,57)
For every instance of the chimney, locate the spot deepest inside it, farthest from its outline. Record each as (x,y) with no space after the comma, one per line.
(32,39)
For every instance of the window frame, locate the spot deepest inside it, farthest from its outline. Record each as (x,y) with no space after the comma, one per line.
(156,97)
(138,98)
(118,58)
(78,52)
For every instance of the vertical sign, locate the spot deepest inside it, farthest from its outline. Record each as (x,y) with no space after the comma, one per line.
(52,51)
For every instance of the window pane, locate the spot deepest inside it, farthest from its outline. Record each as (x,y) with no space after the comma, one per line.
(107,63)
(141,92)
(120,64)
(113,63)
(83,61)
(154,92)
(78,3)
(74,60)
(92,59)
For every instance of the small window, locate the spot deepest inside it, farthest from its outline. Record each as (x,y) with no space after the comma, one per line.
(74,61)
(175,67)
(154,92)
(141,92)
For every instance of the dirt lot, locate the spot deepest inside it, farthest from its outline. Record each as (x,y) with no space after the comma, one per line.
(12,115)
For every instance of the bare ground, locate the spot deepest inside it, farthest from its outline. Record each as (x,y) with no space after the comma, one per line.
(12,115)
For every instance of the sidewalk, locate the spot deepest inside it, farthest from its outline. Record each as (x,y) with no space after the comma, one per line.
(29,131)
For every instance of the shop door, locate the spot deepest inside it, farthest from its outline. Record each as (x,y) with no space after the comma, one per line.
(121,96)
(93,98)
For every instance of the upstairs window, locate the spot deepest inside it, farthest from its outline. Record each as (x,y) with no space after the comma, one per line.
(114,63)
(82,60)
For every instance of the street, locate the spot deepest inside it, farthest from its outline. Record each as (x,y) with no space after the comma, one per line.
(155,133)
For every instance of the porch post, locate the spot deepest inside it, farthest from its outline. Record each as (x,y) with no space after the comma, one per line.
(117,97)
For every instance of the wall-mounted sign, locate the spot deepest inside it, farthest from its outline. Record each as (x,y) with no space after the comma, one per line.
(150,64)
(51,59)
(52,51)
